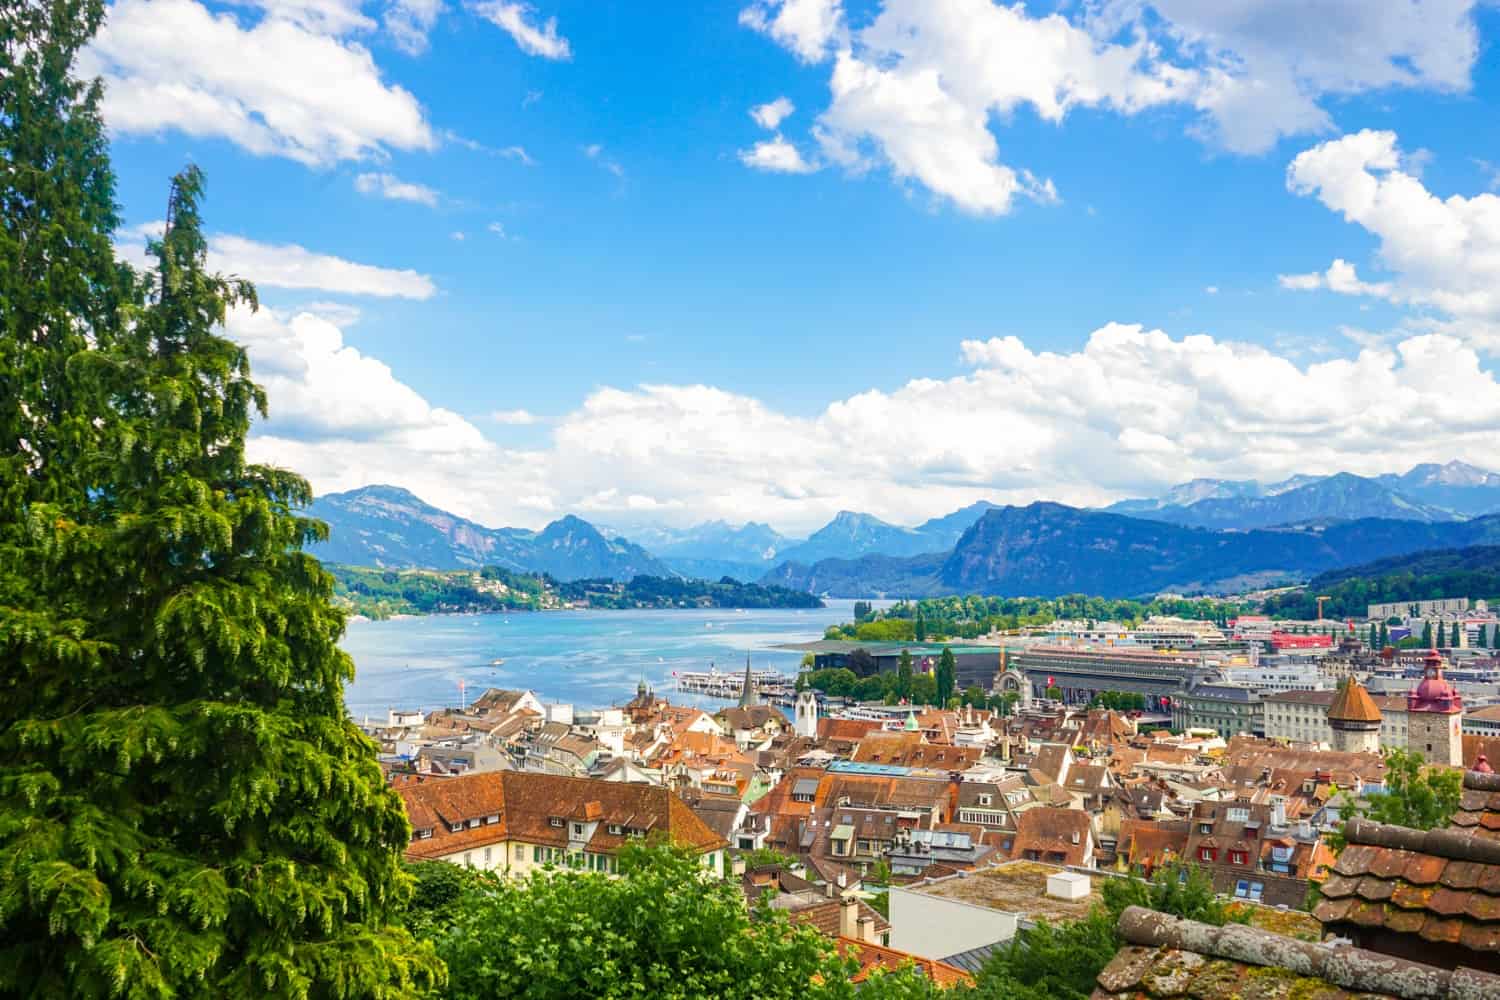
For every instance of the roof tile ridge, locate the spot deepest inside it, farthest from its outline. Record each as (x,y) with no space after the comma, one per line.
(1455,844)
(1351,968)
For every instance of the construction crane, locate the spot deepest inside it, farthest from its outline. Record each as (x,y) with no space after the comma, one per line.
(1325,597)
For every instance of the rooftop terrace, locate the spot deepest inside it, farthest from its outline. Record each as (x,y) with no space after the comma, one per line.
(1018,887)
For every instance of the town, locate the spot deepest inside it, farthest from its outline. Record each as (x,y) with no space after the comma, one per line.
(933,835)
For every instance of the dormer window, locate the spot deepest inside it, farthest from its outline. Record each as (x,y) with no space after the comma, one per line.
(455,827)
(473,822)
(492,819)
(1205,828)
(616,830)
(556,821)
(425,834)
(578,829)
(984,800)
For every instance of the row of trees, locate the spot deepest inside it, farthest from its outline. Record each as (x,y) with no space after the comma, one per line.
(905,684)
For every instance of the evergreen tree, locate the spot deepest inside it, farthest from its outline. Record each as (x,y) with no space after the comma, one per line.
(1385,635)
(903,675)
(920,631)
(1455,640)
(1427,635)
(185,807)
(945,676)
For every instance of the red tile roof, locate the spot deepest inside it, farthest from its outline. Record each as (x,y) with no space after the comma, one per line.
(873,956)
(526,804)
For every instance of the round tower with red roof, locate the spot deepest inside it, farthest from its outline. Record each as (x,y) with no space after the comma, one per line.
(1435,715)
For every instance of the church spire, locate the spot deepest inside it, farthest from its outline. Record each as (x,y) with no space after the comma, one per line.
(749,697)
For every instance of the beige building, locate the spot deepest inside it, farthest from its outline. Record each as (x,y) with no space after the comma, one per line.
(1303,716)
(516,821)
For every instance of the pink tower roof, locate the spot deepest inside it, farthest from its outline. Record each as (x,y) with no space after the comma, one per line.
(1434,694)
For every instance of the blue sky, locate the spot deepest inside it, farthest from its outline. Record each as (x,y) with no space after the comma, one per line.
(551,262)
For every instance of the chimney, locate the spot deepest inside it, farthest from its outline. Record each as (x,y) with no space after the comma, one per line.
(849,918)
(867,930)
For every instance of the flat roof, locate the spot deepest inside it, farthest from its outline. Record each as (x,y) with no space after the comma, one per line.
(1018,887)
(885,770)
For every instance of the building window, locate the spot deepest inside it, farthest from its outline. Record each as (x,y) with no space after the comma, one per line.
(615,829)
(578,829)
(486,857)
(556,821)
(520,853)
(1206,854)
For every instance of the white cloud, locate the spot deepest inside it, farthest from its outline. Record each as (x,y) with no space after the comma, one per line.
(278,88)
(1131,411)
(776,155)
(340,314)
(514,418)
(329,17)
(1268,64)
(806,27)
(457,235)
(394,188)
(409,22)
(921,88)
(287,265)
(1211,289)
(1340,277)
(1443,253)
(497,229)
(343,419)
(771,114)
(534,40)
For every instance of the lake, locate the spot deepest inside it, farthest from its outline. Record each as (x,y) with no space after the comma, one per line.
(589,658)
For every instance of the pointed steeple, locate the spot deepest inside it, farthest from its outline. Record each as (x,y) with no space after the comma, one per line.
(749,696)
(911,721)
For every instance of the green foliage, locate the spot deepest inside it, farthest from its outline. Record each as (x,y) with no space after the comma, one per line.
(1416,795)
(439,892)
(1183,890)
(903,675)
(661,930)
(945,676)
(767,856)
(1420,576)
(1051,961)
(1054,692)
(185,807)
(380,593)
(973,616)
(1120,701)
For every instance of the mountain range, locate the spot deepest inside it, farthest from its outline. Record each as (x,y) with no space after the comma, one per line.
(1429,492)
(1202,534)
(1047,549)
(391,528)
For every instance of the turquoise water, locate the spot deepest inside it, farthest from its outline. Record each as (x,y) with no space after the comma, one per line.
(589,658)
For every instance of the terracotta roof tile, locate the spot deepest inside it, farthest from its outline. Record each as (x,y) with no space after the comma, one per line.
(1411,897)
(1405,921)
(1355,859)
(1423,869)
(1388,863)
(1339,886)
(1462,874)
(1440,930)
(1480,937)
(1451,902)
(1375,889)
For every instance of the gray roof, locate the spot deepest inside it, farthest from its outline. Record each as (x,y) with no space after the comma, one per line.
(973,960)
(805,786)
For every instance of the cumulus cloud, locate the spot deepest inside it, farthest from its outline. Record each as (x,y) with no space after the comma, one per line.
(394,188)
(1340,277)
(343,419)
(1131,411)
(287,265)
(1444,253)
(516,20)
(279,88)
(921,87)
(806,27)
(771,114)
(776,155)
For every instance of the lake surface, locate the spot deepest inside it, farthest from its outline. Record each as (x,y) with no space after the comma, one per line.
(589,658)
